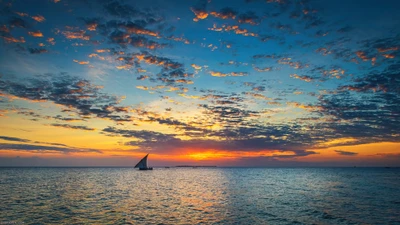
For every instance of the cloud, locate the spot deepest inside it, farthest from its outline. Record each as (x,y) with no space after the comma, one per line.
(73,127)
(200,14)
(387,49)
(340,152)
(40,148)
(136,28)
(6,138)
(233,74)
(35,34)
(265,69)
(81,62)
(115,8)
(372,114)
(304,78)
(225,13)
(145,43)
(249,17)
(159,142)
(18,22)
(9,39)
(39,18)
(234,29)
(142,77)
(22,14)
(80,34)
(74,93)
(44,149)
(4,29)
(37,50)
(69,119)
(91,24)
(196,67)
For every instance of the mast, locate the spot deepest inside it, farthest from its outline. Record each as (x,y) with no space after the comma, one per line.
(142,164)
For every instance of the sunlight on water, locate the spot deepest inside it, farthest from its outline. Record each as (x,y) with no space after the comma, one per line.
(199,196)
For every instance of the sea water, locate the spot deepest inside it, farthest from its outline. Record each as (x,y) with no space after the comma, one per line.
(200,196)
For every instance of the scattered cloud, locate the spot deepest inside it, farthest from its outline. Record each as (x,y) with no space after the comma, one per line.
(35,33)
(39,18)
(341,152)
(73,127)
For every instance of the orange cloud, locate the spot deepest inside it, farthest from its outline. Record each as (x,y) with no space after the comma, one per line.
(362,55)
(304,78)
(131,29)
(218,74)
(38,18)
(94,55)
(324,51)
(124,67)
(51,41)
(184,81)
(76,35)
(224,16)
(92,26)
(36,34)
(102,50)
(14,40)
(4,28)
(234,74)
(142,88)
(200,14)
(234,28)
(257,96)
(196,67)
(81,62)
(389,56)
(3,112)
(302,106)
(388,49)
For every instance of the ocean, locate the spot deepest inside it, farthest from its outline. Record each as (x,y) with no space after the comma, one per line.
(200,196)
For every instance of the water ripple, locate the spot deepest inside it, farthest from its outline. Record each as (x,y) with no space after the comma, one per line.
(201,196)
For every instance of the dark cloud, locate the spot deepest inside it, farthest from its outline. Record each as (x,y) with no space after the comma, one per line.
(14,139)
(143,42)
(249,17)
(40,148)
(373,114)
(43,148)
(199,10)
(115,8)
(140,134)
(159,142)
(345,29)
(37,50)
(340,152)
(72,127)
(69,119)
(72,92)
(18,22)
(91,23)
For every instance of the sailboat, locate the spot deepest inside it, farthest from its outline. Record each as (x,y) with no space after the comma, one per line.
(142,164)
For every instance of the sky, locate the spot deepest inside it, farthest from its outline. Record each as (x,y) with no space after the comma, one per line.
(253,83)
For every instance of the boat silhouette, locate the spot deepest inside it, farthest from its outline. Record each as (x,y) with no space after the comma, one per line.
(142,164)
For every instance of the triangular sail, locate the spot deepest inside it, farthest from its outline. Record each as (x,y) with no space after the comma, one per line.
(142,164)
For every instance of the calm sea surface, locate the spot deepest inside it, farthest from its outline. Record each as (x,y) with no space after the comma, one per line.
(200,196)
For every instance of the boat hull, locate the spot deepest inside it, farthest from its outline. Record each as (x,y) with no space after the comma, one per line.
(148,168)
